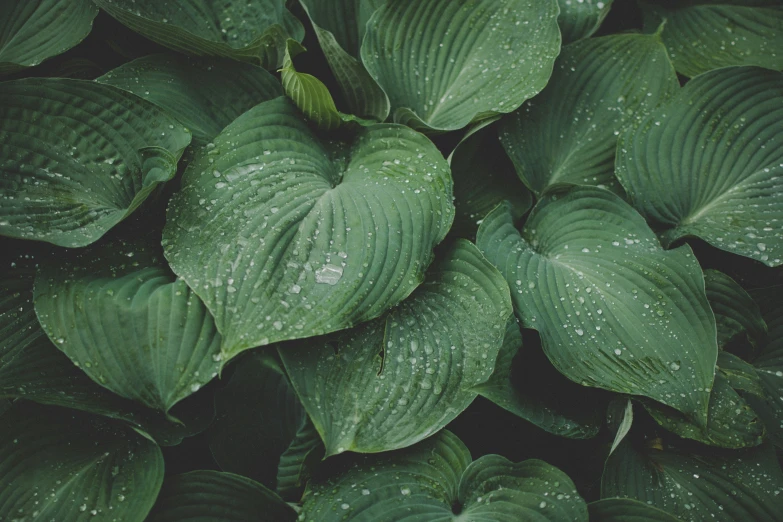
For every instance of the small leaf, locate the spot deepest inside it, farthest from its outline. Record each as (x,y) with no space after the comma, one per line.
(735,311)
(580,19)
(740,375)
(626,421)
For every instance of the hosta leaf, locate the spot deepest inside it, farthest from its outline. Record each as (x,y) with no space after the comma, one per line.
(735,311)
(435,481)
(77,157)
(742,376)
(444,64)
(710,163)
(339,26)
(600,86)
(394,381)
(581,18)
(204,94)
(525,384)
(262,431)
(718,485)
(58,464)
(211,496)
(248,31)
(33,30)
(285,236)
(118,313)
(614,309)
(708,34)
(626,510)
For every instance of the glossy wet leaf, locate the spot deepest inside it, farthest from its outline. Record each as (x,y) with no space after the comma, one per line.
(626,510)
(204,94)
(599,87)
(435,481)
(742,376)
(285,236)
(78,157)
(59,464)
(614,310)
(709,163)
(735,311)
(491,56)
(396,380)
(581,18)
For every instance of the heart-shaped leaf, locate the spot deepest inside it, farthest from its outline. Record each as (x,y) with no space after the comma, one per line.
(600,86)
(614,309)
(285,236)
(626,510)
(435,481)
(735,311)
(78,157)
(394,381)
(121,316)
(491,56)
(710,163)
(581,18)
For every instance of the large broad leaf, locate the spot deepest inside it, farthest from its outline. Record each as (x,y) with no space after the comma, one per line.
(78,157)
(204,94)
(710,163)
(33,30)
(718,485)
(613,308)
(211,496)
(394,381)
(286,236)
(444,64)
(58,464)
(581,18)
(262,431)
(626,510)
(735,311)
(121,316)
(600,87)
(339,26)
(249,31)
(708,34)
(435,481)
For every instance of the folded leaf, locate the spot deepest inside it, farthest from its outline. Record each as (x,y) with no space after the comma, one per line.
(626,510)
(742,376)
(581,18)
(735,311)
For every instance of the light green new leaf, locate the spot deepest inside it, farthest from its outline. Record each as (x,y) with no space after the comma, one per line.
(600,87)
(339,26)
(735,311)
(620,419)
(118,313)
(710,163)
(59,464)
(249,31)
(211,496)
(614,310)
(33,30)
(626,510)
(392,382)
(204,94)
(702,35)
(721,485)
(285,236)
(78,157)
(742,376)
(435,481)
(445,64)
(262,431)
(581,18)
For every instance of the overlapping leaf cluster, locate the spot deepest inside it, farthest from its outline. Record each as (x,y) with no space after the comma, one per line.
(242,280)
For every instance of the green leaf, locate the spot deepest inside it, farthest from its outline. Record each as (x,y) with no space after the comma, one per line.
(58,464)
(525,384)
(735,311)
(204,94)
(445,64)
(741,376)
(339,26)
(435,481)
(614,310)
(78,157)
(32,31)
(248,31)
(722,485)
(285,236)
(118,313)
(626,510)
(620,413)
(709,34)
(211,496)
(600,87)
(581,18)
(396,380)
(262,431)
(709,163)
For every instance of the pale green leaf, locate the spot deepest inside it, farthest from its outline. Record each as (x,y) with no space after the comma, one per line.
(625,422)
(581,18)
